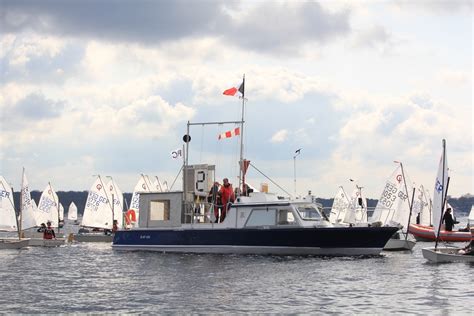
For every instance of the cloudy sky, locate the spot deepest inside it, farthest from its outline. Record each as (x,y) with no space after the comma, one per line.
(107,87)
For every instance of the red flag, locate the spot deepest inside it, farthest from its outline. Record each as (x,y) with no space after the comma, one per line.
(232,91)
(231,133)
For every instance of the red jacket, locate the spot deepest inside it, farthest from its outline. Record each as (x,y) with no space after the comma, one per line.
(227,195)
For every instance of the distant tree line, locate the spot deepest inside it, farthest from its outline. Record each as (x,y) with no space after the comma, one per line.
(461,205)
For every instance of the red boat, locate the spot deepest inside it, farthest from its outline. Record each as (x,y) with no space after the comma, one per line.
(425,233)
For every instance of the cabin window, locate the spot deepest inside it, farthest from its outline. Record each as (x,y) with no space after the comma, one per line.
(160,210)
(286,217)
(309,212)
(262,217)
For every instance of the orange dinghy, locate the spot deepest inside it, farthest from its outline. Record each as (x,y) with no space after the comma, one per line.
(425,233)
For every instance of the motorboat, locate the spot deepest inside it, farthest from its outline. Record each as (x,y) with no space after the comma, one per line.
(260,223)
(426,233)
(256,224)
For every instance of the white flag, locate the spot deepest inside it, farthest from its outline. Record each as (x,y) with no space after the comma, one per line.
(177,154)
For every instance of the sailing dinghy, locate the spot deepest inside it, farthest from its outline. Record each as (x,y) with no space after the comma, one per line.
(8,219)
(442,254)
(394,209)
(98,215)
(72,213)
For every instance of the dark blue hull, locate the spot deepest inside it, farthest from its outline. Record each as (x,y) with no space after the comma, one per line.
(318,241)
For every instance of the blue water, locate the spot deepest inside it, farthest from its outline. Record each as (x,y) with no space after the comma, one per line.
(93,278)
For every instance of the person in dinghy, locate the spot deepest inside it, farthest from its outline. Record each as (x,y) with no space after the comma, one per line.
(49,232)
(468,250)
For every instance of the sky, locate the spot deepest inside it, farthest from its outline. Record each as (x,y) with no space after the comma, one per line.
(107,87)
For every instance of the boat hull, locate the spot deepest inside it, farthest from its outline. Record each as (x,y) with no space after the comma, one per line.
(13,243)
(399,244)
(445,254)
(334,241)
(40,242)
(92,238)
(426,233)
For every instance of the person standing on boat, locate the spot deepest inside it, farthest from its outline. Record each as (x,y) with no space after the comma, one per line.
(448,220)
(214,199)
(227,196)
(49,232)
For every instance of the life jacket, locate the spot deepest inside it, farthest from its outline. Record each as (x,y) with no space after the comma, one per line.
(48,233)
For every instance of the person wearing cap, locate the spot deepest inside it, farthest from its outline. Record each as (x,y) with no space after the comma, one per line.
(49,232)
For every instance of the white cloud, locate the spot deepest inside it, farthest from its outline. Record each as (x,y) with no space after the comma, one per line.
(280,136)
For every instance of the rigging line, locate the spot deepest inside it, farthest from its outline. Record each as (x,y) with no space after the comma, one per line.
(270,179)
(175,178)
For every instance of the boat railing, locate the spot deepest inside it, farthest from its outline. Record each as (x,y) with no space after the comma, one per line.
(200,211)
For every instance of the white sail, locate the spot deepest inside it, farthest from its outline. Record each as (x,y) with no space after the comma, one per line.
(48,207)
(28,205)
(142,185)
(72,212)
(339,206)
(357,212)
(422,207)
(8,220)
(98,210)
(116,193)
(440,190)
(157,187)
(471,214)
(61,212)
(393,207)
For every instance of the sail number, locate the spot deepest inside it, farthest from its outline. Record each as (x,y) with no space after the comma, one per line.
(4,194)
(389,195)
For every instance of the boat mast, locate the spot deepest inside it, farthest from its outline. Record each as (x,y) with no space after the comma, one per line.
(410,205)
(241,164)
(22,195)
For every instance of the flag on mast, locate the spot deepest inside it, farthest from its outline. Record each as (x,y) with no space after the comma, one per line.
(231,133)
(232,91)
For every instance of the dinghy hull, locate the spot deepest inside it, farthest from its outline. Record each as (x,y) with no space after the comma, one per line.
(93,238)
(40,242)
(13,243)
(445,254)
(399,244)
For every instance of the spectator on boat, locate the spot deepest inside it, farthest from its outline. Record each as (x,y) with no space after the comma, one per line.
(115,226)
(448,220)
(466,229)
(246,190)
(227,196)
(42,228)
(49,232)
(214,200)
(418,218)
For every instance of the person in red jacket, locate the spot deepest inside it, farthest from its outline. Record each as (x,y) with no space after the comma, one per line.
(49,232)
(227,196)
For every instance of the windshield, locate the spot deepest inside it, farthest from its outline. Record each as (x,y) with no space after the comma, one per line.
(308,212)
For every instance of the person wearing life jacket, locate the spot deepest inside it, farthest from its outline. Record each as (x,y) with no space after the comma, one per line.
(49,232)
(227,196)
